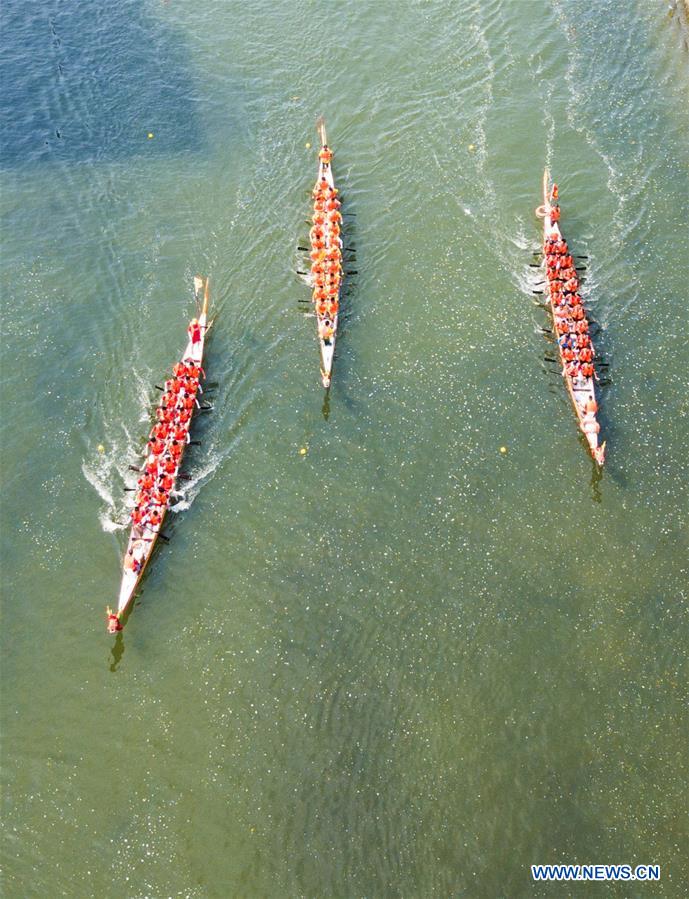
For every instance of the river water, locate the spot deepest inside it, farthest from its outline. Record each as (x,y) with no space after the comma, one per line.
(402,663)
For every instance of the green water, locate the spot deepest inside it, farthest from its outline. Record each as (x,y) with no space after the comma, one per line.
(402,664)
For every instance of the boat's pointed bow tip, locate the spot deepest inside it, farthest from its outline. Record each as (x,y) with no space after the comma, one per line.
(326,382)
(599,454)
(113,622)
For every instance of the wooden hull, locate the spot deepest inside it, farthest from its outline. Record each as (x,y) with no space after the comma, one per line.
(327,350)
(142,541)
(581,390)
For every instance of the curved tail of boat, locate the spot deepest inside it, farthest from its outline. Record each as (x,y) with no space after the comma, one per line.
(320,128)
(544,208)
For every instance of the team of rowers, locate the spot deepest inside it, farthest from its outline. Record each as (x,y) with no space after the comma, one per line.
(326,252)
(571,323)
(168,438)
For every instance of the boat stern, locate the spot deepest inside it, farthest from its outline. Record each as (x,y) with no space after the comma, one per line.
(598,453)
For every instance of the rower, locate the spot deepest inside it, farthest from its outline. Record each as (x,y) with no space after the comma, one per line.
(160,430)
(325,155)
(146,482)
(554,192)
(167,482)
(156,446)
(153,519)
(190,387)
(182,433)
(195,371)
(151,467)
(554,213)
(188,403)
(169,464)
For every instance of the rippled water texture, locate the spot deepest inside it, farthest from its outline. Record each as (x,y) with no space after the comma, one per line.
(402,663)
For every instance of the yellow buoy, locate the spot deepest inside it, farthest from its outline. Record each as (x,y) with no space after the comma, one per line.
(503,450)
(150,135)
(472,147)
(302,451)
(100,448)
(308,145)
